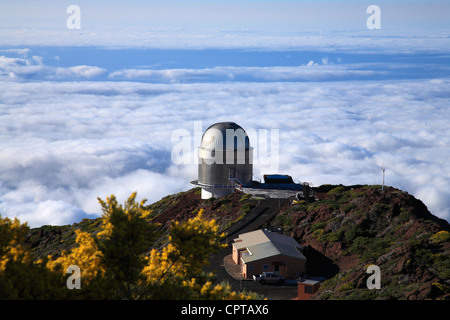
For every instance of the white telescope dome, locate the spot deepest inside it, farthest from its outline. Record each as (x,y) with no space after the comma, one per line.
(225,158)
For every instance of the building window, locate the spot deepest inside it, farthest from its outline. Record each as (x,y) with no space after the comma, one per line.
(309,289)
(265,267)
(250,267)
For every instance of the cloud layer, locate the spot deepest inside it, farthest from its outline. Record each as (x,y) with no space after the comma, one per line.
(91,112)
(65,142)
(31,68)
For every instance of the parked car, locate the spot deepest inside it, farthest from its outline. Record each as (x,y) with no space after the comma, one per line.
(268,277)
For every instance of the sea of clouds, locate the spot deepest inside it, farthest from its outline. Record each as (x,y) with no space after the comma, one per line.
(70,133)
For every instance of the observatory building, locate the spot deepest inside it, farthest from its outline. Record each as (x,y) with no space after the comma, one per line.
(225,163)
(224,159)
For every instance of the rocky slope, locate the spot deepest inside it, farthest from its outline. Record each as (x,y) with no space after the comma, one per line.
(349,228)
(352,228)
(51,240)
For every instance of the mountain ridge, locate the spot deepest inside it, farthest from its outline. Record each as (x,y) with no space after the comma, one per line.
(357,227)
(346,229)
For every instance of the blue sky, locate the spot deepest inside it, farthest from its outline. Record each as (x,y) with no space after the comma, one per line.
(90,112)
(262,15)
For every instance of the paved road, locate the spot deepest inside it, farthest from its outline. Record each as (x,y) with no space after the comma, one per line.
(257,217)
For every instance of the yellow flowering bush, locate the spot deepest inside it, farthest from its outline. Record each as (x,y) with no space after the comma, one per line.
(178,266)
(85,255)
(118,262)
(12,242)
(21,276)
(208,291)
(440,237)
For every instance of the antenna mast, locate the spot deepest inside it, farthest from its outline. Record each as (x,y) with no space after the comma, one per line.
(383,168)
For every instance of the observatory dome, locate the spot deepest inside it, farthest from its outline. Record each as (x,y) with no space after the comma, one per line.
(214,138)
(225,158)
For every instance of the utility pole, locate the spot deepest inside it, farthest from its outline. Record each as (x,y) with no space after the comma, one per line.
(383,168)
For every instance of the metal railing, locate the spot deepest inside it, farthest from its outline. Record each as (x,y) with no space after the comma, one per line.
(213,185)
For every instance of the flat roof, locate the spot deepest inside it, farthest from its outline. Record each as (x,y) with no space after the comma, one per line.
(278,178)
(309,281)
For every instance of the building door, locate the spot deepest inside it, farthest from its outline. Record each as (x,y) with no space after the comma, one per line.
(276,266)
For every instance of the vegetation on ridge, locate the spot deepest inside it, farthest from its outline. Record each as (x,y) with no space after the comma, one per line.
(115,262)
(344,231)
(356,226)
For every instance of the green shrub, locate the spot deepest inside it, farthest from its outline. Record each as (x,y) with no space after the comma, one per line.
(336,190)
(319,225)
(246,208)
(346,286)
(404,216)
(348,207)
(370,248)
(285,221)
(333,236)
(440,237)
(318,233)
(245,197)
(441,262)
(356,231)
